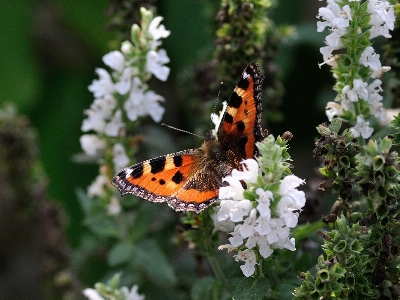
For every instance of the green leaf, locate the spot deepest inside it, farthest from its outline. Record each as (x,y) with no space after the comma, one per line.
(284,292)
(335,125)
(121,253)
(102,226)
(148,257)
(251,289)
(85,202)
(203,288)
(143,220)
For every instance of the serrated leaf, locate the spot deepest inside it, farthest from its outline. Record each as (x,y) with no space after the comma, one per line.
(148,257)
(251,289)
(203,288)
(121,253)
(335,125)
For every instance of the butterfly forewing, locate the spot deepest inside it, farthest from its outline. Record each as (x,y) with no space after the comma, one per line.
(240,128)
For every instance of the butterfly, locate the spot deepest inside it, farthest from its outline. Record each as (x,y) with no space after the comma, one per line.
(189,180)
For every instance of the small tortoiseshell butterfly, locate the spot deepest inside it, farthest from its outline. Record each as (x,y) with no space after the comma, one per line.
(189,180)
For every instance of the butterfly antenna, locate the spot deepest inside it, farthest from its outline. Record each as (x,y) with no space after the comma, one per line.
(216,102)
(181,130)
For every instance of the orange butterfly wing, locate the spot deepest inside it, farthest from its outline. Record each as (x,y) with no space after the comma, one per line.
(173,178)
(190,180)
(241,125)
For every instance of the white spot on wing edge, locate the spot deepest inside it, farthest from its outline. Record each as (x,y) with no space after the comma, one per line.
(128,172)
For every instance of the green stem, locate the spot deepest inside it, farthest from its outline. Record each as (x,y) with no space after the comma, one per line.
(370,203)
(212,260)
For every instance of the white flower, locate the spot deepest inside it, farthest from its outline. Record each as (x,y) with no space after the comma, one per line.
(234,210)
(217,118)
(235,189)
(132,294)
(247,228)
(152,105)
(264,248)
(92,144)
(333,39)
(379,72)
(349,94)
(115,60)
(374,88)
(264,201)
(100,110)
(362,128)
(333,109)
(114,208)
(236,240)
(334,16)
(377,30)
(263,226)
(370,59)
(113,127)
(120,159)
(240,209)
(338,20)
(249,257)
(92,294)
(359,90)
(94,121)
(224,225)
(125,82)
(382,18)
(224,210)
(97,186)
(142,103)
(157,31)
(292,201)
(103,85)
(155,64)
(378,111)
(359,87)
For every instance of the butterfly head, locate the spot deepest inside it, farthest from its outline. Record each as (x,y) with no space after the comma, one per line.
(211,146)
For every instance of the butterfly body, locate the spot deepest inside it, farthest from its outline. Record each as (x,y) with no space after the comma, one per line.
(189,180)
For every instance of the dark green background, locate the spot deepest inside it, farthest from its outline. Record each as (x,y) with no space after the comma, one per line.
(50,49)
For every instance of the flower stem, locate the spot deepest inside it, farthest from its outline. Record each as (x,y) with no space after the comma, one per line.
(215,266)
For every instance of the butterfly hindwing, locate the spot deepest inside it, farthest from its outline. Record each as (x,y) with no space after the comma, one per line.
(174,178)
(241,127)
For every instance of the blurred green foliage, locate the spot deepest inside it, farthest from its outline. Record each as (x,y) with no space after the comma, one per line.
(50,49)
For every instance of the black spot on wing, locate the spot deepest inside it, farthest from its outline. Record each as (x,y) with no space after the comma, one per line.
(235,100)
(157,164)
(162,181)
(137,171)
(240,126)
(178,177)
(228,118)
(243,83)
(242,143)
(178,161)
